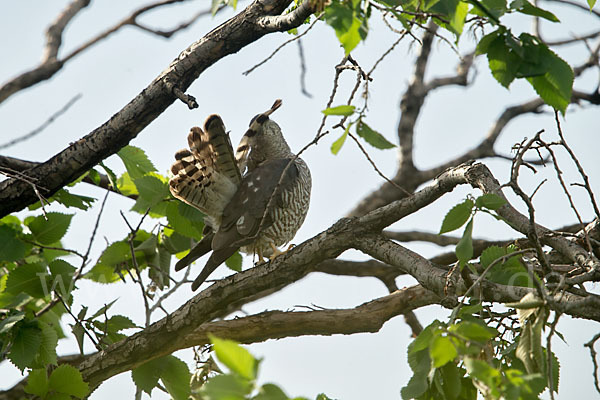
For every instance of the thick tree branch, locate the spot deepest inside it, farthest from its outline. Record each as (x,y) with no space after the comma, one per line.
(115,133)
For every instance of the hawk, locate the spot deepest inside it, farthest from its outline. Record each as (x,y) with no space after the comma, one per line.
(253,201)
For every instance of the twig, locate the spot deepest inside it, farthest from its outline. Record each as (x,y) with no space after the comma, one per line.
(590,346)
(551,387)
(586,180)
(281,46)
(44,125)
(362,149)
(302,70)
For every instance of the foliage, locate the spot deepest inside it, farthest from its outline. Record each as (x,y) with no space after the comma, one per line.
(510,57)
(472,352)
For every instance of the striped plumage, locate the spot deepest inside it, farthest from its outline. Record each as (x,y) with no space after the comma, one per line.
(255,212)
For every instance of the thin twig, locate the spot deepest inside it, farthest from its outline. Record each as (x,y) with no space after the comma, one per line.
(43,126)
(281,46)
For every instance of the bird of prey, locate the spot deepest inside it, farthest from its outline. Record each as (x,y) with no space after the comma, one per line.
(253,201)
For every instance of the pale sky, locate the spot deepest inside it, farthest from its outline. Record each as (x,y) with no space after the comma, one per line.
(362,366)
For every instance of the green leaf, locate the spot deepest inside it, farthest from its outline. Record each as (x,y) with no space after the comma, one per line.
(47,351)
(442,351)
(337,145)
(102,310)
(61,277)
(235,357)
(496,8)
(235,262)
(136,162)
(69,199)
(112,178)
(67,379)
(349,24)
(11,248)
(556,85)
(37,382)
(372,137)
(455,10)
(7,323)
(269,391)
(490,201)
(485,42)
(591,3)
(181,223)
(464,248)
(49,231)
(503,61)
(176,378)
(474,331)
(420,363)
(30,279)
(451,381)
(126,186)
(457,216)
(525,7)
(339,110)
(146,376)
(26,343)
(151,189)
(227,387)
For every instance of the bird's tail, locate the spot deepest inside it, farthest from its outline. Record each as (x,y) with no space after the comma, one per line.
(206,176)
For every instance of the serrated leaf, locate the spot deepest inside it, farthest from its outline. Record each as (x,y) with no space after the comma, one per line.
(67,379)
(490,201)
(525,7)
(442,351)
(227,387)
(11,248)
(556,85)
(235,262)
(151,189)
(457,216)
(136,162)
(345,110)
(61,277)
(474,331)
(37,383)
(69,199)
(503,61)
(146,376)
(118,323)
(464,248)
(372,137)
(30,279)
(496,8)
(112,178)
(451,381)
(49,231)
(176,378)
(182,223)
(47,351)
(25,345)
(235,357)
(126,186)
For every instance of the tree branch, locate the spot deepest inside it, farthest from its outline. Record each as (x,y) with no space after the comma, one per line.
(115,133)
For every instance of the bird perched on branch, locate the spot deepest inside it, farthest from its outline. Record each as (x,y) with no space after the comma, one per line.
(254,201)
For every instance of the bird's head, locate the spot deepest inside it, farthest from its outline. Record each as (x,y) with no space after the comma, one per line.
(262,141)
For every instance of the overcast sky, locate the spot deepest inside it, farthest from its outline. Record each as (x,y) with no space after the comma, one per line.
(362,366)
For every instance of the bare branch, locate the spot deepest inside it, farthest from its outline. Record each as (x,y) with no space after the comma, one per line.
(115,133)
(43,126)
(51,64)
